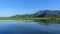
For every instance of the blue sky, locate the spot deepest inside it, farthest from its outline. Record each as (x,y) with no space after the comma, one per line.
(13,7)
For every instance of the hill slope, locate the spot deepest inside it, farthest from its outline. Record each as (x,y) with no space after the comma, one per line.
(42,13)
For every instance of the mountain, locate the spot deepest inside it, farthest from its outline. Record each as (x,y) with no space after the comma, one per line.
(42,13)
(48,13)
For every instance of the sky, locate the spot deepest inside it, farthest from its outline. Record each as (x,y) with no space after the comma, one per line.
(13,7)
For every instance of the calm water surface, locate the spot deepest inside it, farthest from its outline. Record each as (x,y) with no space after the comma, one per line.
(29,27)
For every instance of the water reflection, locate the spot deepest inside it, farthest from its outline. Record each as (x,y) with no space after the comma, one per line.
(47,22)
(50,26)
(29,27)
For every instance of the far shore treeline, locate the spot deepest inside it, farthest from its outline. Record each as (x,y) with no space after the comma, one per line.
(39,15)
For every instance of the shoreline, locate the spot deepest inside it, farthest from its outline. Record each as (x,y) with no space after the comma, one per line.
(28,18)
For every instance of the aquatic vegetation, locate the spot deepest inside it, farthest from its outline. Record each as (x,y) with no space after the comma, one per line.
(31,18)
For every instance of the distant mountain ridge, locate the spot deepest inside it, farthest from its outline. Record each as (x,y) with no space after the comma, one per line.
(41,13)
(49,12)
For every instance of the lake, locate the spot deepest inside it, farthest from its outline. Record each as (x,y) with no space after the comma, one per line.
(29,27)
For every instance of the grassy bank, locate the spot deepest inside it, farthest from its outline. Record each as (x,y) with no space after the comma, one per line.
(31,18)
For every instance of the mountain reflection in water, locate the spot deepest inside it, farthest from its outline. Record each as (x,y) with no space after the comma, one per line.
(29,27)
